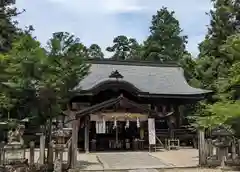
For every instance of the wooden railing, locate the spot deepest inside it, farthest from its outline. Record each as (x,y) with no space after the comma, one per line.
(176,132)
(181,134)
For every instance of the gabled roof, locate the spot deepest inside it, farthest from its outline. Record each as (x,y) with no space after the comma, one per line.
(148,78)
(111,102)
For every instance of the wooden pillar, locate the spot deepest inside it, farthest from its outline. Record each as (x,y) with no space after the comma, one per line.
(86,135)
(176,115)
(201,148)
(171,127)
(74,140)
(31,152)
(181,114)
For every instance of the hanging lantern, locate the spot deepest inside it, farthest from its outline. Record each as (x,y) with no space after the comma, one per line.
(138,123)
(127,124)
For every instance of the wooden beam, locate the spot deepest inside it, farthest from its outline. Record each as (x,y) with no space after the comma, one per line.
(86,134)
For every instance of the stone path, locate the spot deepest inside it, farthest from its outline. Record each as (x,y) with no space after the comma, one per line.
(88,162)
(178,158)
(143,170)
(130,160)
(163,170)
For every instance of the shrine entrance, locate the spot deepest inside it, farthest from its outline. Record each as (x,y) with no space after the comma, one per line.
(118,131)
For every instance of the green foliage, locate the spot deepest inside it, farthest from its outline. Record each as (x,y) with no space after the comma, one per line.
(226,108)
(21,72)
(217,114)
(41,80)
(8,29)
(65,65)
(95,52)
(165,42)
(124,48)
(214,59)
(223,24)
(217,66)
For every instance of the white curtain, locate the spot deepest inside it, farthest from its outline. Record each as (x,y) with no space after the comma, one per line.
(101,127)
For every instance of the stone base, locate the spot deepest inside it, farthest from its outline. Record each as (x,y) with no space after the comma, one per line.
(14,152)
(14,145)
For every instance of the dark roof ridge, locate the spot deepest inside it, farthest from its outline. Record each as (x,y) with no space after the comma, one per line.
(133,63)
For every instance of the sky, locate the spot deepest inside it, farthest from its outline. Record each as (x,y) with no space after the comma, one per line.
(99,21)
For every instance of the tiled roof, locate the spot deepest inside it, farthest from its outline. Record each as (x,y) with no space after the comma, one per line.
(152,79)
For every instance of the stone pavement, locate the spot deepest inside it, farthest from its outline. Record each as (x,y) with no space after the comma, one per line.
(89,162)
(130,160)
(164,161)
(178,158)
(138,160)
(161,170)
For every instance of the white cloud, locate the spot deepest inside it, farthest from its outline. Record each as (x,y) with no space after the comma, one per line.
(98,21)
(99,6)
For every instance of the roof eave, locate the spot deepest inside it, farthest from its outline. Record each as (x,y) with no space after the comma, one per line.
(197,96)
(133,63)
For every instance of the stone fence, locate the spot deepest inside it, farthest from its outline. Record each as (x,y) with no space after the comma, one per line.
(16,157)
(222,152)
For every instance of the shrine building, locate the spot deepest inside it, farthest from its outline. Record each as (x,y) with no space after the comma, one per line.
(125,105)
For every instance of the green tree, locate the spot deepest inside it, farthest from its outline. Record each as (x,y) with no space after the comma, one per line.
(225,109)
(8,29)
(213,63)
(124,48)
(66,65)
(43,79)
(165,42)
(65,68)
(189,65)
(95,52)
(135,50)
(223,24)
(20,69)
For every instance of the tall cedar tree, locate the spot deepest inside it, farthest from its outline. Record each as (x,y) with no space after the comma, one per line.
(8,29)
(218,65)
(212,63)
(165,42)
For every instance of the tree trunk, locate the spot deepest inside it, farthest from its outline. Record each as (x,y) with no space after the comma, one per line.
(50,149)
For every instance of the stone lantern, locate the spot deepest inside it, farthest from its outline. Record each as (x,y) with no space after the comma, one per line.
(223,137)
(59,137)
(222,142)
(15,150)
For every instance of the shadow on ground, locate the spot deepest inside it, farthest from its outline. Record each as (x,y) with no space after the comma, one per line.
(84,164)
